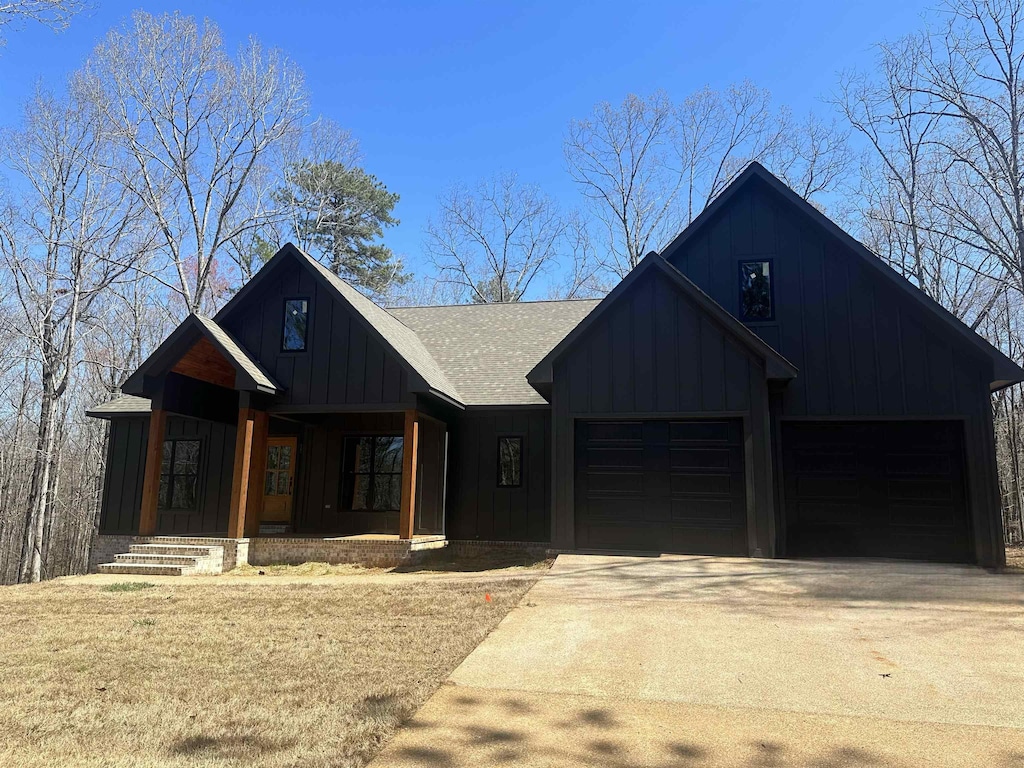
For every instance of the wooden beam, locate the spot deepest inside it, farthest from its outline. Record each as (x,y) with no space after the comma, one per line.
(151,476)
(257,473)
(240,473)
(410,447)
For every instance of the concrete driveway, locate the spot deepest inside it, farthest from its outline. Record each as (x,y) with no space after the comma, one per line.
(693,661)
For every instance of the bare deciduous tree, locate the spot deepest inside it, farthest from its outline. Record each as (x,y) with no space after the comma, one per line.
(649,167)
(55,14)
(64,242)
(491,242)
(197,124)
(622,159)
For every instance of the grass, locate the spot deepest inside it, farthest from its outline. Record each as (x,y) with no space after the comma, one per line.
(1015,558)
(127,586)
(233,673)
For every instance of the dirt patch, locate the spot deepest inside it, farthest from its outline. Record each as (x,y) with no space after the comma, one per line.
(230,673)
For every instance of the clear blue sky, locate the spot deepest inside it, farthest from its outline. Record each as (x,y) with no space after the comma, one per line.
(442,92)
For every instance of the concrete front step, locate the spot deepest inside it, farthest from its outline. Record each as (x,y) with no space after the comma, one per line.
(187,550)
(138,569)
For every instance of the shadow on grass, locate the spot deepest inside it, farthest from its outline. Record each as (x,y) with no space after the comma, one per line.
(235,747)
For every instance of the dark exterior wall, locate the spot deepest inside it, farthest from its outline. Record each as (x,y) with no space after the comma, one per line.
(319,472)
(342,364)
(126,462)
(863,349)
(476,507)
(122,484)
(656,354)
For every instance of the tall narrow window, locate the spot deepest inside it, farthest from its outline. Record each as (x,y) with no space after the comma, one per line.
(293,334)
(374,473)
(510,462)
(756,290)
(179,475)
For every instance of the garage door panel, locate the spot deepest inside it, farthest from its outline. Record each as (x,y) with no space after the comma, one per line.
(918,464)
(711,511)
(615,457)
(924,516)
(828,487)
(598,431)
(616,484)
(709,540)
(686,493)
(700,485)
(701,458)
(828,513)
(900,492)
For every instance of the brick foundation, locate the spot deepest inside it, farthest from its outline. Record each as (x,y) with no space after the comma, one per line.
(379,553)
(295,550)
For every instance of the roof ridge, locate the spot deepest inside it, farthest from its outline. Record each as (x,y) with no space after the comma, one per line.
(497,303)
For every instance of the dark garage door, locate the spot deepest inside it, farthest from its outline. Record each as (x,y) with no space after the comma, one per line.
(663,486)
(876,489)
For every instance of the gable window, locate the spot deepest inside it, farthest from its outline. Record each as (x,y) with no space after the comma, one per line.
(293,332)
(510,462)
(179,475)
(373,477)
(756,290)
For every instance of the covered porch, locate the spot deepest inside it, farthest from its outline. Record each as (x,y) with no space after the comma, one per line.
(226,458)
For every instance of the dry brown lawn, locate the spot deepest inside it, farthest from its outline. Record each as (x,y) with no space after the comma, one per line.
(1015,559)
(232,673)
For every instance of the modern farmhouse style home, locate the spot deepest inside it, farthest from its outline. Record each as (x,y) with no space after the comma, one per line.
(765,386)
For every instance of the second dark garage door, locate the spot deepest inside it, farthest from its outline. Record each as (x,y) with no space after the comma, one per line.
(663,486)
(876,489)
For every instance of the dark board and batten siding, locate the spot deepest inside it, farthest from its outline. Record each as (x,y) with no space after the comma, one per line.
(864,350)
(477,509)
(655,354)
(122,493)
(122,486)
(343,364)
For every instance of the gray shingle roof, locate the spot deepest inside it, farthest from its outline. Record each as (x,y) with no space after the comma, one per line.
(489,348)
(120,406)
(405,341)
(237,354)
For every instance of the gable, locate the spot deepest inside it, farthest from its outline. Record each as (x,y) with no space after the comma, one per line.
(204,362)
(817,268)
(343,363)
(657,349)
(776,366)
(200,349)
(863,346)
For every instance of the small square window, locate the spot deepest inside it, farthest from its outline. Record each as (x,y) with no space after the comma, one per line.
(293,333)
(756,290)
(510,462)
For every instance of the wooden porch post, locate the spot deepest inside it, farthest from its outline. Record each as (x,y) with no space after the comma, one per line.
(151,478)
(257,472)
(247,475)
(410,447)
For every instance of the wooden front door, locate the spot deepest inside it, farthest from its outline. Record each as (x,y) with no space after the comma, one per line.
(279,483)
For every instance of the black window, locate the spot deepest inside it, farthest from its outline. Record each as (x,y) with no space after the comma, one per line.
(293,333)
(756,290)
(510,462)
(373,476)
(179,475)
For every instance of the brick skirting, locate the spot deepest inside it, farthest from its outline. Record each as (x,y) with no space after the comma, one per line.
(295,550)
